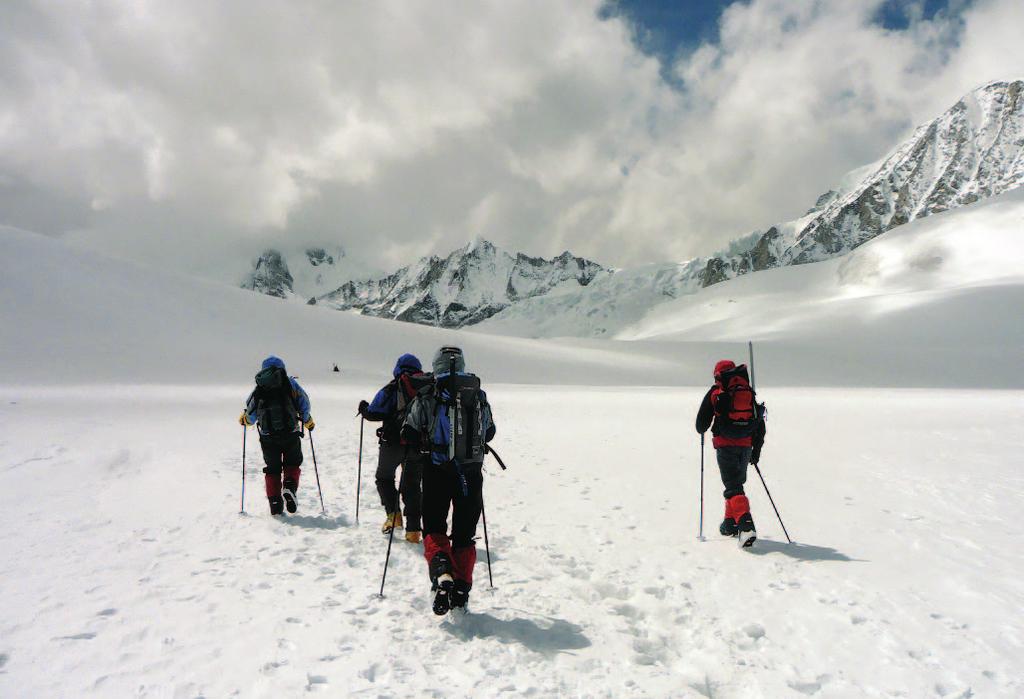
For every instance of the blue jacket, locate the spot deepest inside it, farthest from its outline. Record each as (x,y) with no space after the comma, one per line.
(384,406)
(385,403)
(301,397)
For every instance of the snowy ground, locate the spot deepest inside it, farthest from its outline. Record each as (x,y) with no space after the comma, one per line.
(129,572)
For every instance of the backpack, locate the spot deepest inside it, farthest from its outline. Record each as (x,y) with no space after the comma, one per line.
(736,412)
(457,431)
(407,387)
(276,413)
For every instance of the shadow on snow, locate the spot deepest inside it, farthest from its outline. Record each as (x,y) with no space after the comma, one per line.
(801,552)
(551,636)
(315,521)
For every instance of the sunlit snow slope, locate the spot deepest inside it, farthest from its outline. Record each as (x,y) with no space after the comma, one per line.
(71,316)
(936,302)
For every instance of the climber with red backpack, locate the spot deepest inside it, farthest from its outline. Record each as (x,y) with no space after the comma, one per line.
(389,407)
(737,425)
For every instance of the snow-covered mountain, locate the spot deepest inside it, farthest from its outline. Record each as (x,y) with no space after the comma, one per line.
(468,286)
(973,151)
(303,274)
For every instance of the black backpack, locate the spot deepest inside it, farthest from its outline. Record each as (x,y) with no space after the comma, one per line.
(276,412)
(736,412)
(458,432)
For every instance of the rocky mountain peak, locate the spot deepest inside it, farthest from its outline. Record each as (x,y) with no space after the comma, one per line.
(270,275)
(465,287)
(318,256)
(972,151)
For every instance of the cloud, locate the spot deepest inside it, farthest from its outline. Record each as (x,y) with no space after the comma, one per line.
(195,132)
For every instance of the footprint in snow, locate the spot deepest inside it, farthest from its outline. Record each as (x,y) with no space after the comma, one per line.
(809,687)
(754,631)
(313,681)
(86,636)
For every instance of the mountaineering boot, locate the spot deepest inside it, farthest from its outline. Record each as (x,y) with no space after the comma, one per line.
(288,492)
(392,521)
(414,537)
(276,505)
(460,595)
(441,576)
(728,527)
(443,595)
(747,533)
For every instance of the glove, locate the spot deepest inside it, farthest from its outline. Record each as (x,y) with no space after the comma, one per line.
(410,435)
(755,456)
(363,407)
(243,419)
(309,424)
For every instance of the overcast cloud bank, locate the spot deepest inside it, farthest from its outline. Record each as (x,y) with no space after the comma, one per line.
(195,133)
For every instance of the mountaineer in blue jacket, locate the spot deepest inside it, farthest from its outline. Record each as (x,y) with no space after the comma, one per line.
(277,405)
(389,407)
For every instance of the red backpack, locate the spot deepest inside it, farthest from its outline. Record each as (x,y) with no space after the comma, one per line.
(735,404)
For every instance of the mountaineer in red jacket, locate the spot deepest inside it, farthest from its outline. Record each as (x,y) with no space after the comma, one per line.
(730,409)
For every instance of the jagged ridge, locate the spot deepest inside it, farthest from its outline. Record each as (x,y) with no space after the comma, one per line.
(470,285)
(973,151)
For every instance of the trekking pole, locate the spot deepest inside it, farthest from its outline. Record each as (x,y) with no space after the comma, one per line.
(700,530)
(773,503)
(244,433)
(391,534)
(750,348)
(317,472)
(487,543)
(359,472)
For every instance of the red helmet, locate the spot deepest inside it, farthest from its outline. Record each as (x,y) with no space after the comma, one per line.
(723,365)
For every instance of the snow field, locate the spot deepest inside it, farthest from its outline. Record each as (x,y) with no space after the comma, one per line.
(128,570)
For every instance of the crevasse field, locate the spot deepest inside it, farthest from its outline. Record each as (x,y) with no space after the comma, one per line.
(893,454)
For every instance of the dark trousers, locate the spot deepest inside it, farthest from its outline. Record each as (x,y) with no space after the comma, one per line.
(390,457)
(442,489)
(732,464)
(281,453)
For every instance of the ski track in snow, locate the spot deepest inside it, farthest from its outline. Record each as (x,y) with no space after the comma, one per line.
(129,572)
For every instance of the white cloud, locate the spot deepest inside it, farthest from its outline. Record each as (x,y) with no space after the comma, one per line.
(197,131)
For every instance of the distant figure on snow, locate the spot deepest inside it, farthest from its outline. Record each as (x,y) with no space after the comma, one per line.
(730,409)
(336,369)
(277,405)
(389,406)
(453,422)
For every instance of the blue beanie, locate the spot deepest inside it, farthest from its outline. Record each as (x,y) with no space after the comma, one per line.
(272,361)
(407,361)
